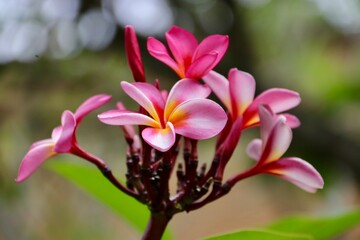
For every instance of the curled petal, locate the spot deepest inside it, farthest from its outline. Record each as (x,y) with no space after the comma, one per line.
(182,44)
(254,149)
(201,66)
(277,143)
(184,90)
(242,90)
(133,54)
(220,86)
(158,138)
(56,133)
(291,120)
(298,172)
(125,117)
(218,43)
(90,105)
(198,119)
(33,159)
(147,96)
(68,123)
(159,51)
(228,147)
(278,99)
(42,142)
(267,121)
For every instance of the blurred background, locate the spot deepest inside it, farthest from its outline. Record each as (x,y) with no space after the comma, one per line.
(56,53)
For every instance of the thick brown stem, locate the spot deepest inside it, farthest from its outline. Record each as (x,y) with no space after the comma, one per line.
(156,226)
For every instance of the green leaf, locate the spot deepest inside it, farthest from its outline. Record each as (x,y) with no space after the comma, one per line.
(91,180)
(299,228)
(260,235)
(319,228)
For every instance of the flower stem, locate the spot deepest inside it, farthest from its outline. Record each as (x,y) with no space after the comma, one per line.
(105,170)
(248,173)
(156,226)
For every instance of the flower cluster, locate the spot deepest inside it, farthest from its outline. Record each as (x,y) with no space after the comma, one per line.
(170,121)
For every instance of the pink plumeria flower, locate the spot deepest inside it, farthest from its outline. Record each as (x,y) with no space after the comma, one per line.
(276,137)
(190,59)
(185,112)
(133,54)
(63,137)
(237,94)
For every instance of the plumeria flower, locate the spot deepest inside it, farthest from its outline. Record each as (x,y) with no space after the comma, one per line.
(276,137)
(189,59)
(62,140)
(237,94)
(185,112)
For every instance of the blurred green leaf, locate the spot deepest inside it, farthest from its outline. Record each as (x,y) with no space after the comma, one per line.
(319,228)
(299,228)
(90,179)
(260,234)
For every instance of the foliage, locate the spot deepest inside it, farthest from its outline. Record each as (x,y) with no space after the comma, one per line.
(296,227)
(89,179)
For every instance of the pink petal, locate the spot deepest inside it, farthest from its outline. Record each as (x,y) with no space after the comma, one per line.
(33,159)
(242,90)
(120,106)
(228,147)
(201,66)
(42,142)
(291,120)
(277,143)
(217,43)
(158,138)
(267,121)
(90,105)
(64,142)
(182,91)
(220,139)
(133,54)
(182,44)
(198,119)
(164,95)
(128,130)
(159,51)
(147,96)
(56,133)
(299,172)
(278,99)
(254,149)
(125,117)
(220,86)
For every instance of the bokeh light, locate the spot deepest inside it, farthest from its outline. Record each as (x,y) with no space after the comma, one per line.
(96,32)
(149,17)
